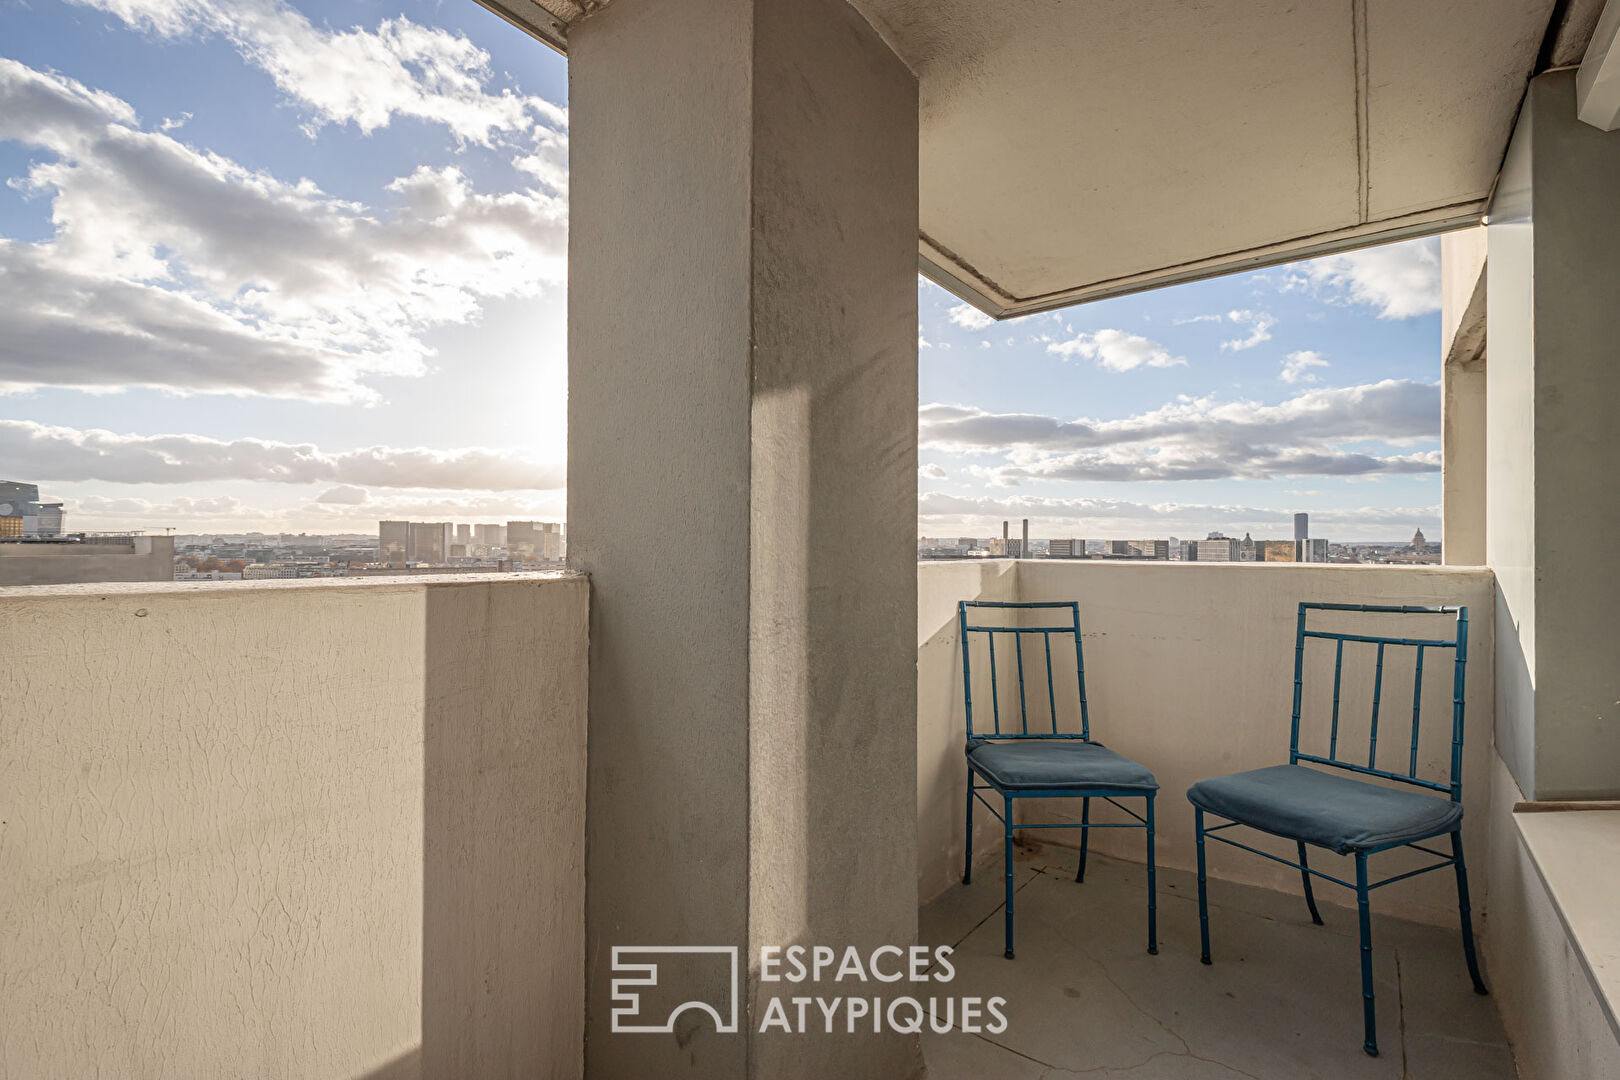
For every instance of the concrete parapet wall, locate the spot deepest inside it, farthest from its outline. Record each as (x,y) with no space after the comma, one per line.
(320,830)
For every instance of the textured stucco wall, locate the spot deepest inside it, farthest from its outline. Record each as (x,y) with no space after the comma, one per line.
(1552,382)
(1463,484)
(302,830)
(658,451)
(1554,1019)
(941,773)
(832,688)
(742,442)
(1189,670)
(1462,396)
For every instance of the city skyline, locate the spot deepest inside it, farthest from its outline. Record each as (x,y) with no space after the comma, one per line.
(358,313)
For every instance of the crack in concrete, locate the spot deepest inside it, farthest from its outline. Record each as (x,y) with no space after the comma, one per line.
(1046,1066)
(1132,1002)
(1108,976)
(1464,1040)
(997,910)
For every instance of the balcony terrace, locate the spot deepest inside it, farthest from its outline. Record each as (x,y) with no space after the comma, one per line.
(336,863)
(396,829)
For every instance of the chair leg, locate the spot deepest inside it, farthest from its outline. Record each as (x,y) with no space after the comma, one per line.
(967,865)
(1369,1016)
(1153,892)
(1007,845)
(1203,890)
(1305,876)
(1085,836)
(1465,911)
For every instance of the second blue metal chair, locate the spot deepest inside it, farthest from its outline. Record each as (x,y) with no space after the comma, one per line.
(1025,764)
(1311,800)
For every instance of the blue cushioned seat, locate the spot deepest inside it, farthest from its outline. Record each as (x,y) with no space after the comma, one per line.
(1057,764)
(1333,811)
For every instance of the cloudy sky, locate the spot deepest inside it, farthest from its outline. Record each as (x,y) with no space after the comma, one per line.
(299,266)
(1220,405)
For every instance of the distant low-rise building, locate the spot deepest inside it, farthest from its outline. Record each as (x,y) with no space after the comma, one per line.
(1216,549)
(1070,548)
(1138,549)
(85,558)
(268,571)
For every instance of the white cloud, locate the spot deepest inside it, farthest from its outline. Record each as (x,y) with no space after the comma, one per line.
(931,472)
(174,267)
(181,508)
(923,342)
(1116,350)
(432,506)
(1136,463)
(227,513)
(969,317)
(1318,432)
(65,328)
(1400,280)
(1295,367)
(59,454)
(345,495)
(1259,324)
(353,76)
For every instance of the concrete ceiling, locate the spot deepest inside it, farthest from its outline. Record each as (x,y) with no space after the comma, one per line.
(1074,149)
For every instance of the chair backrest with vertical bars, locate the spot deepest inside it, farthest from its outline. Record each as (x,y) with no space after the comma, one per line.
(1058,618)
(1459,659)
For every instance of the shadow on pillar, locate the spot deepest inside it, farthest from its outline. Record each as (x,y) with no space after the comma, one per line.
(1515,698)
(407,1066)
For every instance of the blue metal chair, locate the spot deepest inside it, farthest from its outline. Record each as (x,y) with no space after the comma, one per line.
(1345,815)
(1045,765)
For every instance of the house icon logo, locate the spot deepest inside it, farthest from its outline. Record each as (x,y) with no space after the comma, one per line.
(636,972)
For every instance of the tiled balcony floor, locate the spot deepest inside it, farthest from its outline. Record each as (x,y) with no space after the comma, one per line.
(1281,1002)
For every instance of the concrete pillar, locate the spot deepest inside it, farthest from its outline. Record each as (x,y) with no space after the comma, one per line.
(742,490)
(1462,397)
(1552,506)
